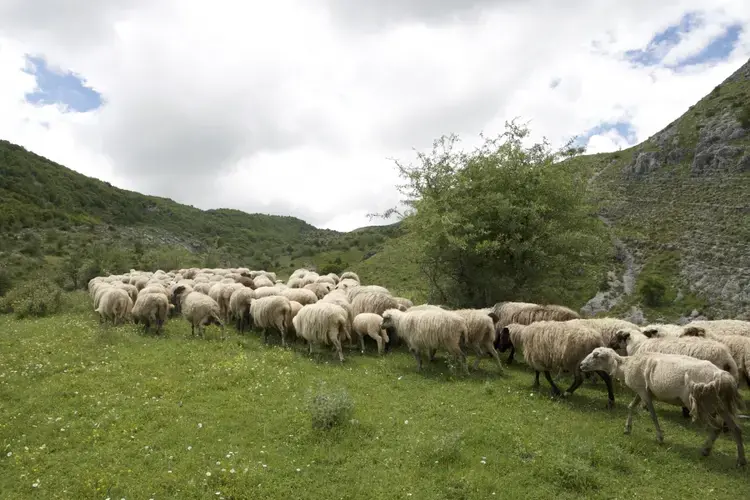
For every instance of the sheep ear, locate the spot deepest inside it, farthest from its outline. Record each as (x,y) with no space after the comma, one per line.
(651,332)
(495,317)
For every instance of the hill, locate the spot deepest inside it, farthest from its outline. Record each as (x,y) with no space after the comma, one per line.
(49,213)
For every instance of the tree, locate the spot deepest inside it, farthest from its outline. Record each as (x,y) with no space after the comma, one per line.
(71,268)
(497,222)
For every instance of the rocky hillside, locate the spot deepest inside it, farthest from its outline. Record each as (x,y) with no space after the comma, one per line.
(679,208)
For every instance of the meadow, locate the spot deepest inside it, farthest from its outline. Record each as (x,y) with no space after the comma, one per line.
(88,411)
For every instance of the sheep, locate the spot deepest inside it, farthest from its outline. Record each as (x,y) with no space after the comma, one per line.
(661,330)
(266,291)
(372,302)
(261,281)
(301,295)
(346,283)
(239,307)
(738,346)
(323,323)
(724,326)
(428,330)
(352,292)
(132,291)
(219,293)
(678,380)
(700,348)
(481,333)
(202,287)
(296,306)
(334,277)
(319,289)
(327,279)
(115,305)
(351,276)
(271,312)
(403,303)
(151,308)
(370,324)
(555,345)
(338,297)
(198,309)
(525,313)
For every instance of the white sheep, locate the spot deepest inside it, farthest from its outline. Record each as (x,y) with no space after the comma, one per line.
(555,346)
(114,305)
(320,289)
(198,309)
(301,295)
(271,312)
(372,302)
(678,380)
(738,345)
(428,330)
(239,307)
(151,308)
(350,275)
(267,291)
(261,281)
(323,323)
(370,324)
(352,292)
(480,335)
(296,307)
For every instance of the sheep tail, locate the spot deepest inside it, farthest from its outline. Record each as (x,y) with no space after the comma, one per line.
(711,401)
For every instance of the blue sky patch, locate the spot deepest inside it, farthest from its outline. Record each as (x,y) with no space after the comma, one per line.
(64,88)
(664,41)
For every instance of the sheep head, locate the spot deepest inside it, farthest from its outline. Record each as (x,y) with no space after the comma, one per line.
(651,332)
(495,318)
(693,331)
(620,340)
(502,341)
(600,359)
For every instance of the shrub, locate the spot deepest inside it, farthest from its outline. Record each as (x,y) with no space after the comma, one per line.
(328,409)
(34,298)
(653,291)
(6,281)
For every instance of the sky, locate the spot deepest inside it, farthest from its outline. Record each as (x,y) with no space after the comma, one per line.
(299,107)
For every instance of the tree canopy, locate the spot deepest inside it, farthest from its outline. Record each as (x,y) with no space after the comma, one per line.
(506,221)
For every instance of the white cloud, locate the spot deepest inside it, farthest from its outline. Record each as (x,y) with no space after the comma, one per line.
(293,107)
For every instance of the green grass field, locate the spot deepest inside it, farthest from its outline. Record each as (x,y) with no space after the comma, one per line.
(93,412)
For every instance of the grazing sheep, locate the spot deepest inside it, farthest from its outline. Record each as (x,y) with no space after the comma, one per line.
(327,279)
(481,334)
(198,309)
(296,307)
(370,324)
(202,287)
(301,295)
(338,297)
(428,330)
(132,291)
(349,275)
(346,284)
(555,345)
(271,312)
(239,307)
(323,323)
(151,308)
(320,289)
(372,302)
(678,380)
(267,291)
(115,305)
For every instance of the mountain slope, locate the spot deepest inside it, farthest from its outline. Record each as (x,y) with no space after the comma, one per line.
(680,202)
(48,210)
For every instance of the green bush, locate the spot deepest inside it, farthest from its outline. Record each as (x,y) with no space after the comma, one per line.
(328,409)
(34,298)
(653,291)
(6,282)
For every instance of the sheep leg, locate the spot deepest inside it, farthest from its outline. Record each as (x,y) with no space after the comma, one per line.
(418,358)
(310,345)
(535,385)
(265,336)
(510,356)
(577,381)
(555,390)
(362,343)
(610,392)
(381,343)
(737,433)
(192,329)
(494,354)
(631,406)
(686,412)
(652,411)
(479,352)
(337,343)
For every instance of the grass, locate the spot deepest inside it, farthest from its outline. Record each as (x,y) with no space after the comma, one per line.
(92,412)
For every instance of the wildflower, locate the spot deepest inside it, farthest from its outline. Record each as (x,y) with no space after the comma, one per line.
(208,474)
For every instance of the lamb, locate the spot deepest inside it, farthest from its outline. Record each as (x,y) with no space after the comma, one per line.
(151,308)
(323,323)
(198,309)
(370,324)
(271,312)
(115,305)
(555,345)
(481,334)
(678,380)
(320,289)
(301,295)
(428,330)
(239,307)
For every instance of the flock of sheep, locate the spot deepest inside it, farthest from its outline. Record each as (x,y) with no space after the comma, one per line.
(698,366)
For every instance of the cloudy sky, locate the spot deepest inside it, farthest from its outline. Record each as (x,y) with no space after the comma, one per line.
(293,107)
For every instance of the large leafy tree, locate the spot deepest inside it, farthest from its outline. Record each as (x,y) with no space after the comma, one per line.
(502,222)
